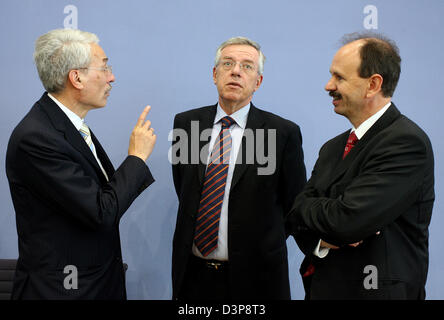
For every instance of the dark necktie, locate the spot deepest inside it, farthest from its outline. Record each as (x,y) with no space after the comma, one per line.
(352,139)
(213,190)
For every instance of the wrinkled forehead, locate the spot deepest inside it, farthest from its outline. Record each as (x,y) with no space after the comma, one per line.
(240,52)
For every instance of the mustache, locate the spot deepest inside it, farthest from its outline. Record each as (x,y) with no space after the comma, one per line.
(109,89)
(335,95)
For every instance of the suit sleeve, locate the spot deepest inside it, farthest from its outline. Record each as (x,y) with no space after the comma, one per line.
(52,174)
(293,176)
(305,238)
(389,183)
(175,155)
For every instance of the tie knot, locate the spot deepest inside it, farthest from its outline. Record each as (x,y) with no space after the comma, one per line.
(227,122)
(352,138)
(84,130)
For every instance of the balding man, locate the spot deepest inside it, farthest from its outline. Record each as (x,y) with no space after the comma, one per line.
(372,186)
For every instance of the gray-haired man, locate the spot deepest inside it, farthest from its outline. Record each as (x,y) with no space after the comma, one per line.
(230,239)
(67,196)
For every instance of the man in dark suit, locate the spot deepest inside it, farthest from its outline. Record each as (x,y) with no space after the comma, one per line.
(230,237)
(67,196)
(372,187)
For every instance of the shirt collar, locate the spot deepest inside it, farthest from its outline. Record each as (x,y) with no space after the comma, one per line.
(75,119)
(240,116)
(367,124)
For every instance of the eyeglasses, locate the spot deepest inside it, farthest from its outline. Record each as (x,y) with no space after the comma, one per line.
(244,66)
(108,69)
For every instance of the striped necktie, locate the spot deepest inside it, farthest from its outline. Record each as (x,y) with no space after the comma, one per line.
(213,190)
(86,134)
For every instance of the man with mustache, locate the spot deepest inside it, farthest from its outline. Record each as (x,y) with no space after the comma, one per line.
(230,237)
(372,186)
(67,196)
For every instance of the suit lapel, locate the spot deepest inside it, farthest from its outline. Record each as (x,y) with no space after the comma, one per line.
(254,121)
(103,157)
(386,119)
(335,158)
(206,121)
(62,123)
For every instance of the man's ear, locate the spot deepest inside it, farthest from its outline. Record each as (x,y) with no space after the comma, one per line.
(374,85)
(214,75)
(75,78)
(259,82)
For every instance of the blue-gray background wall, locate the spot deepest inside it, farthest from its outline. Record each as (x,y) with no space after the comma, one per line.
(162,54)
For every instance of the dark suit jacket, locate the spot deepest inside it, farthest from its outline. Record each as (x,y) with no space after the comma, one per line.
(386,184)
(257,206)
(66,211)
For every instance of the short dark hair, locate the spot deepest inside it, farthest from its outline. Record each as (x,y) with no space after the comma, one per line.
(380,55)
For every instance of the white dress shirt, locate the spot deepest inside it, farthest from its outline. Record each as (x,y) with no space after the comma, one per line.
(78,122)
(236,131)
(360,131)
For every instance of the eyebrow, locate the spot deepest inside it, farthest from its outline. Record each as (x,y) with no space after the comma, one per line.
(245,60)
(336,73)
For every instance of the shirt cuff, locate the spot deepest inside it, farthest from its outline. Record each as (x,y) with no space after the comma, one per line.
(320,252)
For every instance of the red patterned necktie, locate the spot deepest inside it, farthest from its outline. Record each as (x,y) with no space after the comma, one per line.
(352,139)
(213,190)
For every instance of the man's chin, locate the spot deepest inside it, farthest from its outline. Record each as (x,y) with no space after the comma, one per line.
(339,110)
(231,96)
(99,106)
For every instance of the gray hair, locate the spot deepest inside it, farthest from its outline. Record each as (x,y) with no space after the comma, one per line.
(59,51)
(241,40)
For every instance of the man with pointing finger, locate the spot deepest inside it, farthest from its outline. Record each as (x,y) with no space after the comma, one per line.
(67,196)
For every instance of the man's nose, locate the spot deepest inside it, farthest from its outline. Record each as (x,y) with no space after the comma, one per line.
(330,86)
(236,69)
(111,78)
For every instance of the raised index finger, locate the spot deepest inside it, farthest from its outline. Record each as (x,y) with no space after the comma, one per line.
(143,116)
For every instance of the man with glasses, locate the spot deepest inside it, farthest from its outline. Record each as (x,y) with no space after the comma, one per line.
(67,196)
(230,238)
